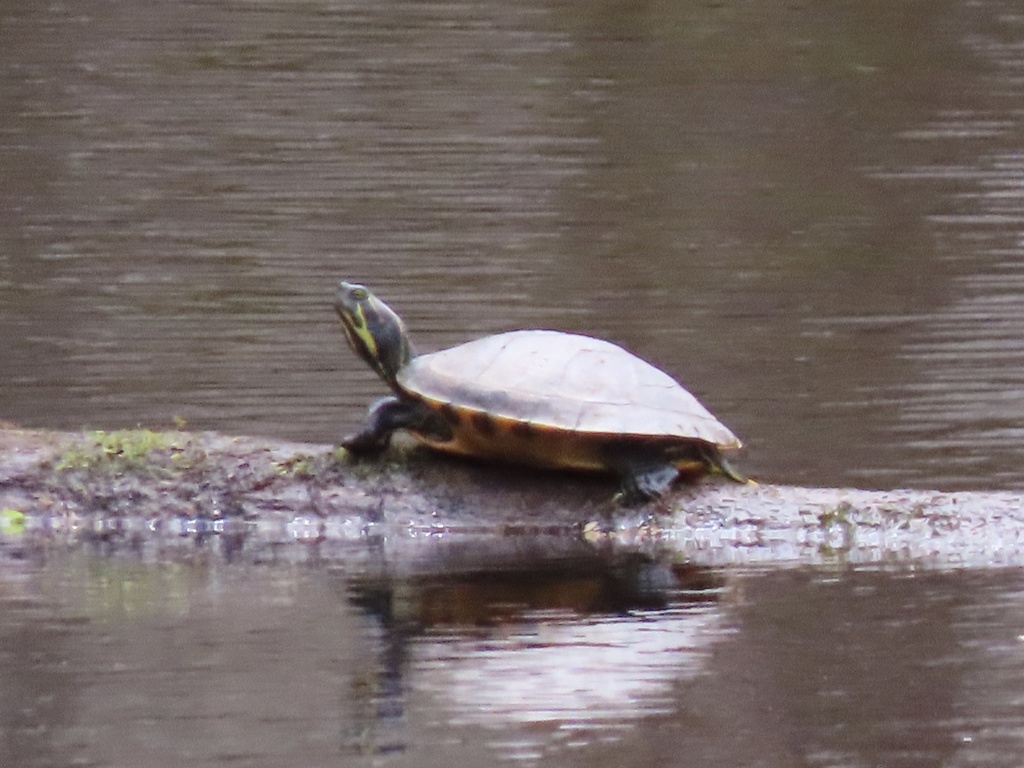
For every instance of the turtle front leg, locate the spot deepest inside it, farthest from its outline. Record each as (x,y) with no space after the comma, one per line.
(383,418)
(387,416)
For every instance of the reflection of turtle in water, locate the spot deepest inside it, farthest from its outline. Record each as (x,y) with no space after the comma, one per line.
(544,398)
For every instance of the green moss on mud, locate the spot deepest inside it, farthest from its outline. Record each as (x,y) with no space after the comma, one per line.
(305,466)
(840,514)
(401,458)
(130,450)
(12,522)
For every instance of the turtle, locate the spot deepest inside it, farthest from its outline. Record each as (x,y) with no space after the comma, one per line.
(545,398)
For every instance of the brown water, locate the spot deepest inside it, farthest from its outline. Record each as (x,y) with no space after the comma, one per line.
(566,657)
(811,213)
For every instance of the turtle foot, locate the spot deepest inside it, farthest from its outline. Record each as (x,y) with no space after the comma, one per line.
(365,443)
(645,486)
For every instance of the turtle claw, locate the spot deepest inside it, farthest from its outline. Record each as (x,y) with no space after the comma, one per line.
(365,443)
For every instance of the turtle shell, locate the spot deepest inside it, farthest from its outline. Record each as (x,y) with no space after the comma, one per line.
(564,382)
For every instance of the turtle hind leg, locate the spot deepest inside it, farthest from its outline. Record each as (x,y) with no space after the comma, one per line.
(645,474)
(643,482)
(387,416)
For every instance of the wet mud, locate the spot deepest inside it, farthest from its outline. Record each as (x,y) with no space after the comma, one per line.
(158,492)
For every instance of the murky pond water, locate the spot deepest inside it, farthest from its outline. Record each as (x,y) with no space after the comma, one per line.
(811,213)
(566,656)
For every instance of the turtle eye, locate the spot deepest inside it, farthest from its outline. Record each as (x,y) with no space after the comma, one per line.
(360,294)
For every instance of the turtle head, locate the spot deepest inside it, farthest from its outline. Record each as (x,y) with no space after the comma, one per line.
(373,330)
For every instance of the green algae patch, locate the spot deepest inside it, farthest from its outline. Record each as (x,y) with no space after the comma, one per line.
(300,466)
(12,522)
(130,450)
(402,457)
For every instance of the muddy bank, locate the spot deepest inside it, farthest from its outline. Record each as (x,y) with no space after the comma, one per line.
(151,491)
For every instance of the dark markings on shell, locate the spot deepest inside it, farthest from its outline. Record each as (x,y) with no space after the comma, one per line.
(450,414)
(564,382)
(483,423)
(523,429)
